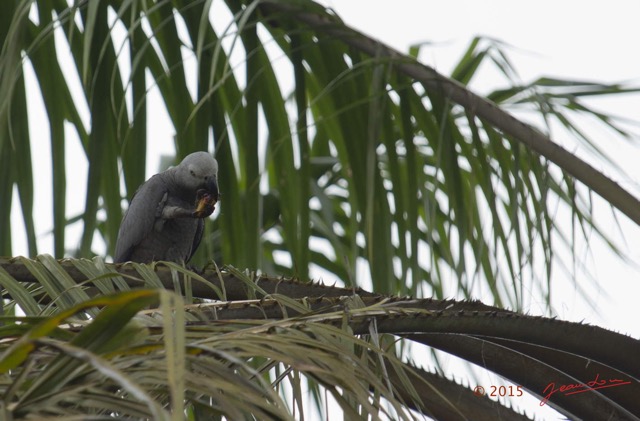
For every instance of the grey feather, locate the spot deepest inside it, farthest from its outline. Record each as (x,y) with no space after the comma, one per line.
(160,222)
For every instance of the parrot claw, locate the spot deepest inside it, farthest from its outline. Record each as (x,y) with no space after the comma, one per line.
(160,207)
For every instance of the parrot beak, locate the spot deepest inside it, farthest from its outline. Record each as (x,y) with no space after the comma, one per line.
(212,189)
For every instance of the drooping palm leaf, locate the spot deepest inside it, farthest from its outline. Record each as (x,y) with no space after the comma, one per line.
(207,356)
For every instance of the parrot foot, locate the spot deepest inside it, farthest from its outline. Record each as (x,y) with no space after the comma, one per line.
(160,207)
(172,212)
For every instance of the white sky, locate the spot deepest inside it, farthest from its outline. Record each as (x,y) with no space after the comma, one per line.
(569,39)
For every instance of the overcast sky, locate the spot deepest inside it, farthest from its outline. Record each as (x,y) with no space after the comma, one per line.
(570,38)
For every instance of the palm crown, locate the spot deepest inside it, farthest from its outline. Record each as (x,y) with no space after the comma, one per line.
(370,166)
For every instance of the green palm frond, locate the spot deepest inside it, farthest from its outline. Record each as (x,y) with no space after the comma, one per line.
(367,151)
(339,156)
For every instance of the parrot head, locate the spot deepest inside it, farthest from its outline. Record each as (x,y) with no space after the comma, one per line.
(198,172)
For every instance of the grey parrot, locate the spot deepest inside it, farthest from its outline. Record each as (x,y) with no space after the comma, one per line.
(165,218)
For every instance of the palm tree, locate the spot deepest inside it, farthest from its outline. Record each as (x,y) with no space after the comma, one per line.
(364,163)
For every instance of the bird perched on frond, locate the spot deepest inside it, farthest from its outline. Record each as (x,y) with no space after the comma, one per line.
(165,219)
